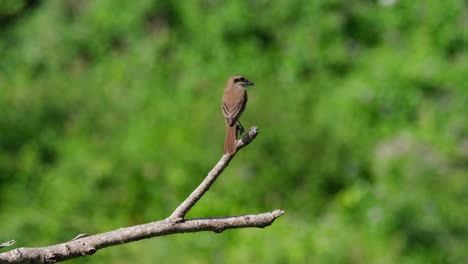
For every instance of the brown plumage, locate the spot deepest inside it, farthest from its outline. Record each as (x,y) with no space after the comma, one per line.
(234,101)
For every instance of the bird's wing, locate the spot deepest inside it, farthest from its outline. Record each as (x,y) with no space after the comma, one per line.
(232,112)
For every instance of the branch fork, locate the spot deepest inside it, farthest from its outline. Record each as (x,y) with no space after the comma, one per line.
(84,244)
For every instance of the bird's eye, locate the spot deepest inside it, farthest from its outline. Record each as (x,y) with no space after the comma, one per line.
(242,79)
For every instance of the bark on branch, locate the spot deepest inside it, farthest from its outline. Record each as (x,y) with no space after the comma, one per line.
(83,245)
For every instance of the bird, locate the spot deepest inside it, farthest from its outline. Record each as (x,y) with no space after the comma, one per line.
(233,105)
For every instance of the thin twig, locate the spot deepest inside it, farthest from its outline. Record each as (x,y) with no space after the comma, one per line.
(7,244)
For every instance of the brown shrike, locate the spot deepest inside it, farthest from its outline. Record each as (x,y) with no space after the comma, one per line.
(234,101)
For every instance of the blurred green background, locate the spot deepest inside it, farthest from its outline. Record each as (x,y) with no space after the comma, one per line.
(110,115)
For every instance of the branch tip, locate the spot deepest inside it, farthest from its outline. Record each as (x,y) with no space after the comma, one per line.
(247,138)
(277,213)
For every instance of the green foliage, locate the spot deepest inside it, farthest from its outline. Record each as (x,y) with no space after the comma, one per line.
(110,115)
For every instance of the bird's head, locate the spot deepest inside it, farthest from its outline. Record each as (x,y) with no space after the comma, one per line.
(240,81)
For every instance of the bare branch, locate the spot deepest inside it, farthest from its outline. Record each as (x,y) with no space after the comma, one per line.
(83,245)
(89,245)
(182,210)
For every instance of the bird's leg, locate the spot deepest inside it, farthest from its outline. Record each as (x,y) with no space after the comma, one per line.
(239,128)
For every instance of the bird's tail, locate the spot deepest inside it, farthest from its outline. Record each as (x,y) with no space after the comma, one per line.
(230,142)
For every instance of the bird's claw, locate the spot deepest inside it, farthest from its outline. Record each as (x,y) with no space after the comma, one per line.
(239,129)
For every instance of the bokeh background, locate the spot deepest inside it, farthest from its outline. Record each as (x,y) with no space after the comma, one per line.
(110,115)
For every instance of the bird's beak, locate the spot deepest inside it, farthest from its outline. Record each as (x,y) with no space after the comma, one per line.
(249,83)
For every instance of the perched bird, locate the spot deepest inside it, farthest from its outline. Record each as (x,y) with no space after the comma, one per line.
(234,101)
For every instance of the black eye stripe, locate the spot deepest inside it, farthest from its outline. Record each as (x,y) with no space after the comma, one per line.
(240,79)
